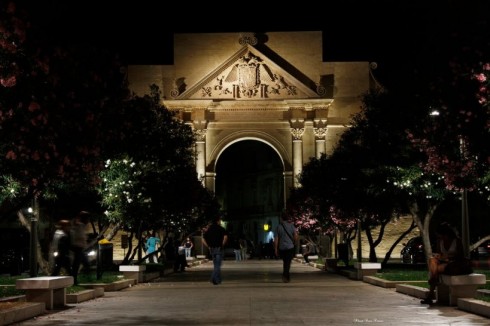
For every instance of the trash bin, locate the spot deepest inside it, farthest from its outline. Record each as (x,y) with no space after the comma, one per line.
(106,254)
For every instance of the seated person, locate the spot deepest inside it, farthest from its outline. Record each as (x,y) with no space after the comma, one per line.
(308,249)
(448,258)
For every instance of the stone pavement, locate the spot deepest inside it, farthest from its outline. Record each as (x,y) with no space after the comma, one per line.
(252,293)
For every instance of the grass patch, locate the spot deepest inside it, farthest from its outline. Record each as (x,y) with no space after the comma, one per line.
(10,291)
(402,275)
(414,275)
(9,280)
(107,277)
(75,289)
(485,298)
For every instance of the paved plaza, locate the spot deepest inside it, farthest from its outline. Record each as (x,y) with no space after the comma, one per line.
(252,293)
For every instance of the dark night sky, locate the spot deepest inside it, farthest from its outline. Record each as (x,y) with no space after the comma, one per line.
(369,30)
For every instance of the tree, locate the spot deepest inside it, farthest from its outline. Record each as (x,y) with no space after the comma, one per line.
(51,100)
(65,111)
(150,180)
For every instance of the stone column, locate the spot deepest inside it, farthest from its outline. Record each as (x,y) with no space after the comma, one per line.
(201,154)
(210,181)
(320,134)
(288,184)
(297,153)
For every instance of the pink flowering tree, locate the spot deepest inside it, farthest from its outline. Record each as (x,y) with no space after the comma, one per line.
(51,101)
(456,139)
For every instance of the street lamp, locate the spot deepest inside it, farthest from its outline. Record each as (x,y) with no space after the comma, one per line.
(359,242)
(33,239)
(465,223)
(266,227)
(465,220)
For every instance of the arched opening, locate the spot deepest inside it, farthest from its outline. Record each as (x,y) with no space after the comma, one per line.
(250,188)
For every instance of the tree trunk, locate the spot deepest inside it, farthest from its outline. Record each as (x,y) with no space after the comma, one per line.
(41,262)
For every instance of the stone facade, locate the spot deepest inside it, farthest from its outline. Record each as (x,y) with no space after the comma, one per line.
(272,88)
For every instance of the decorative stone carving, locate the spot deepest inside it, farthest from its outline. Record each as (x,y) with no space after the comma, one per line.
(320,133)
(282,84)
(200,134)
(207,91)
(297,133)
(248,38)
(249,72)
(174,93)
(220,88)
(321,90)
(249,75)
(178,87)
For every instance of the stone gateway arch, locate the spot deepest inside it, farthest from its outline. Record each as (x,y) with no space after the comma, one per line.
(272,88)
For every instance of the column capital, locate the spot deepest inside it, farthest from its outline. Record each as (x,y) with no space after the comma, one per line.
(297,133)
(200,134)
(320,133)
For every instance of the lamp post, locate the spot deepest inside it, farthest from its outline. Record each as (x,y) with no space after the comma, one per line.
(465,221)
(359,242)
(33,212)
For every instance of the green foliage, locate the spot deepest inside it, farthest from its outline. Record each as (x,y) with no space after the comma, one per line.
(75,289)
(66,112)
(415,275)
(10,291)
(417,183)
(149,178)
(107,277)
(51,103)
(9,280)
(402,275)
(155,267)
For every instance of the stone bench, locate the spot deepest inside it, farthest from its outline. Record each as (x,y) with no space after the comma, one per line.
(134,272)
(313,257)
(366,269)
(451,288)
(48,289)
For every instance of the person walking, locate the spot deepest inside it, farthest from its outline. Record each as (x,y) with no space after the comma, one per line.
(60,248)
(79,244)
(286,237)
(180,262)
(151,244)
(215,239)
(236,249)
(188,245)
(243,248)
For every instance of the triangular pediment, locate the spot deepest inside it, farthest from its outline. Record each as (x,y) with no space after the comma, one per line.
(248,75)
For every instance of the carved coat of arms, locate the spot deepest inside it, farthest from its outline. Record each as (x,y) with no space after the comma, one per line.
(248,73)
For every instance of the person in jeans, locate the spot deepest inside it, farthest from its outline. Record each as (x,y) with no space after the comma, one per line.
(188,245)
(286,237)
(215,239)
(79,244)
(60,248)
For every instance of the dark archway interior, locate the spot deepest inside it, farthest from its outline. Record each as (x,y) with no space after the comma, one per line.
(249,186)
